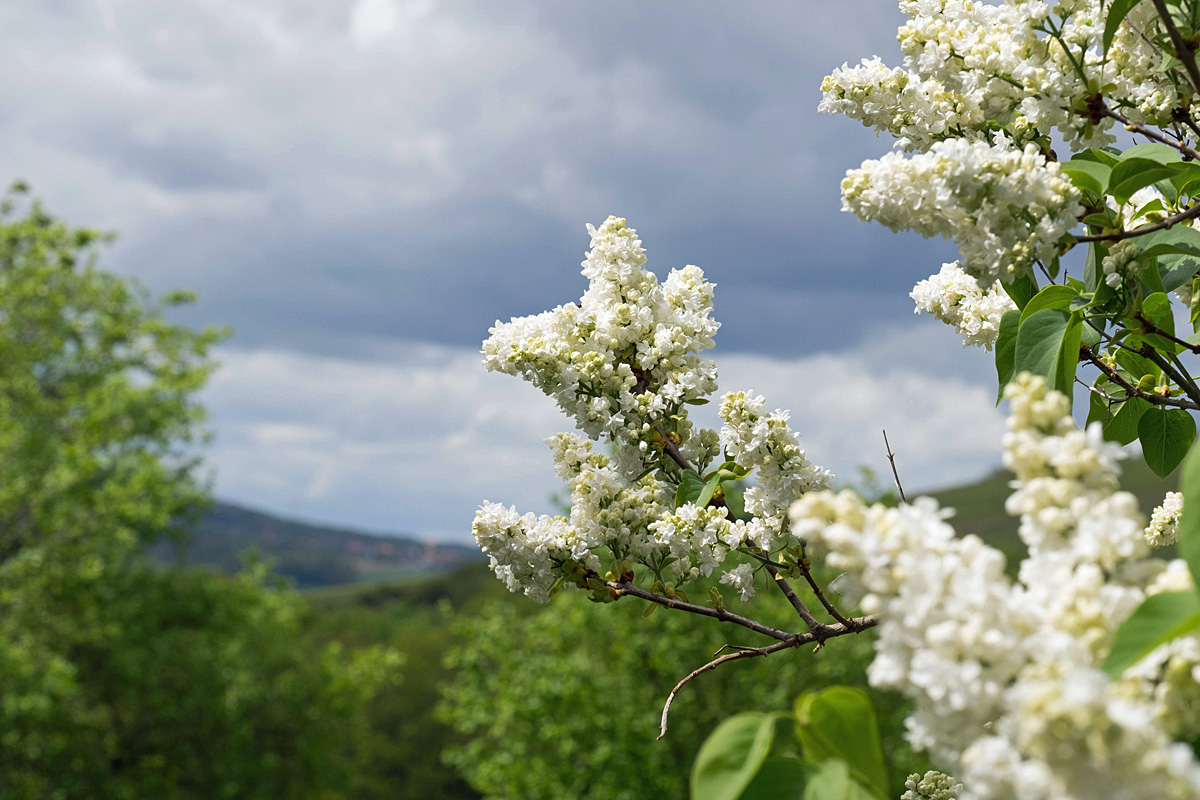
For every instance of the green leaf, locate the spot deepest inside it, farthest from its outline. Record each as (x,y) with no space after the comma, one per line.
(1097,409)
(1171,241)
(1178,252)
(735,501)
(832,781)
(1088,176)
(1122,426)
(1103,155)
(1177,270)
(1053,296)
(1137,365)
(779,779)
(707,492)
(690,487)
(1159,619)
(1116,12)
(1157,309)
(1021,290)
(1150,279)
(1048,344)
(1092,268)
(1189,523)
(731,756)
(1153,151)
(1185,180)
(839,722)
(1166,435)
(1006,349)
(1137,173)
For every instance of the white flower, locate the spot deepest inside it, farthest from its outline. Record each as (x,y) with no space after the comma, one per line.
(954,297)
(932,786)
(741,578)
(1004,207)
(624,363)
(627,356)
(1005,675)
(1164,522)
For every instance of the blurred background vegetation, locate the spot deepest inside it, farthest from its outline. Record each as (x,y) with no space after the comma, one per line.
(144,654)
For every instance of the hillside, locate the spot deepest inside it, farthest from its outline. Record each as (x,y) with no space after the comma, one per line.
(310,555)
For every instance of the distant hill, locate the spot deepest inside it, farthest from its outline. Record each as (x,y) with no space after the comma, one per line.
(310,555)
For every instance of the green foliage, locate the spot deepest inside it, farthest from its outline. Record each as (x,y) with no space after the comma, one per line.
(98,419)
(1166,435)
(1159,619)
(1119,317)
(1006,349)
(122,680)
(839,722)
(840,753)
(732,755)
(1048,345)
(126,681)
(833,781)
(401,752)
(566,702)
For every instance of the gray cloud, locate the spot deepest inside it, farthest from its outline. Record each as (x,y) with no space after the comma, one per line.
(414,437)
(362,188)
(415,168)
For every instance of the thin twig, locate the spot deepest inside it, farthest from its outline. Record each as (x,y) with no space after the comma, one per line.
(1183,216)
(892,460)
(856,625)
(1184,51)
(1195,348)
(719,614)
(814,625)
(1189,388)
(1150,133)
(1099,393)
(1130,389)
(816,589)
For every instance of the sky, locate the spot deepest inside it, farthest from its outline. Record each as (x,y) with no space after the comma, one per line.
(361,189)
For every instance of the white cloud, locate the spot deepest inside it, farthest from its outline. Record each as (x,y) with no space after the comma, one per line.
(416,442)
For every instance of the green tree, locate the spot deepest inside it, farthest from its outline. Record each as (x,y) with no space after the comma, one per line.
(119,679)
(98,415)
(566,702)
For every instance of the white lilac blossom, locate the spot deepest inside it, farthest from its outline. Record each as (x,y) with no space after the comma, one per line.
(984,71)
(741,578)
(933,785)
(624,363)
(1121,263)
(1005,675)
(1004,207)
(527,552)
(757,439)
(622,360)
(917,112)
(1164,522)
(954,297)
(981,89)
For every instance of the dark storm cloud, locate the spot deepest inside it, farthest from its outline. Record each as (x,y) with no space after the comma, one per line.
(324,172)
